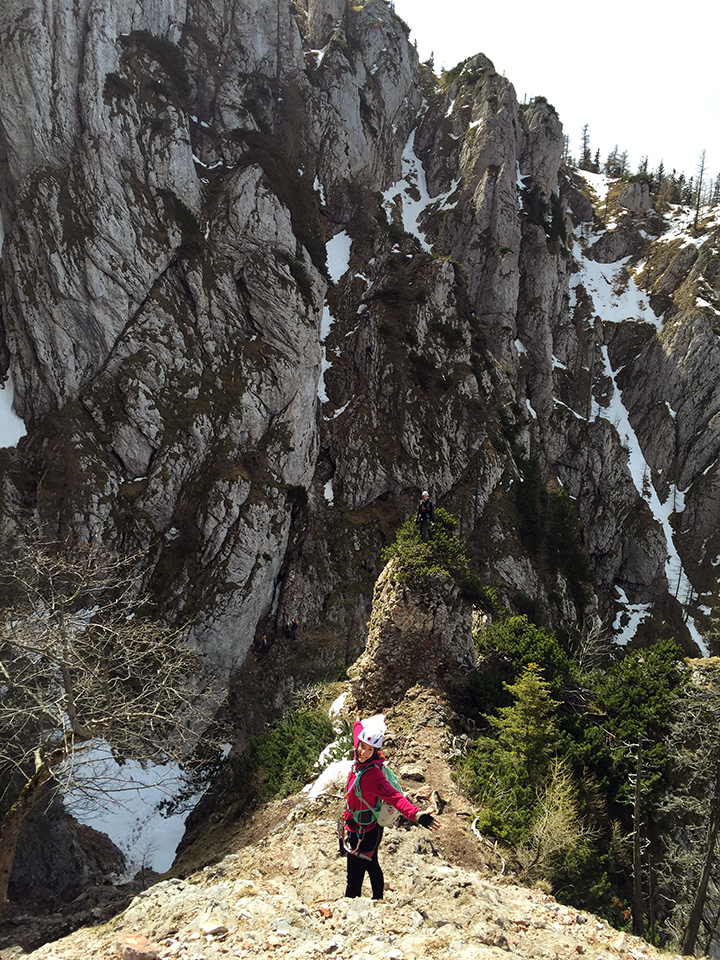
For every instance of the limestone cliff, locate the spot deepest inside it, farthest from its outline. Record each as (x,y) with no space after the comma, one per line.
(265,277)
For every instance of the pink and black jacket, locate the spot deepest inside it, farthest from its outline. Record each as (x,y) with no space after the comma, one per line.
(374,787)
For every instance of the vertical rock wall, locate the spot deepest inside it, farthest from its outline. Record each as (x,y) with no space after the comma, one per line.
(197,379)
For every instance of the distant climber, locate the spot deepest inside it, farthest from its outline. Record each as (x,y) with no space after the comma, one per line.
(361,834)
(425,514)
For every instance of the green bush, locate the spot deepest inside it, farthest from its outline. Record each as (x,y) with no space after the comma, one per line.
(511,644)
(443,555)
(280,761)
(480,595)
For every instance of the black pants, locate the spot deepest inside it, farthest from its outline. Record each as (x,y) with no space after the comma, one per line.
(357,866)
(424,527)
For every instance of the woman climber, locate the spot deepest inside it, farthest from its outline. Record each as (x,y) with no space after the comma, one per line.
(367,786)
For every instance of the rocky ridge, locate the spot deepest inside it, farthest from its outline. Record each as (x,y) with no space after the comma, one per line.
(269,879)
(279,891)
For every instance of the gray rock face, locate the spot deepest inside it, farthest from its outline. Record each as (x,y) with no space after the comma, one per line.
(635,197)
(196,373)
(417,635)
(57,857)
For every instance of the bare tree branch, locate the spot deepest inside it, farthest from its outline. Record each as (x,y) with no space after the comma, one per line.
(84,661)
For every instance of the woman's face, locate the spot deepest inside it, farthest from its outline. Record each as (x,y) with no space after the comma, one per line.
(364,751)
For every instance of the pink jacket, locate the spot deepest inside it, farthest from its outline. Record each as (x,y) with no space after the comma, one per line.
(374,786)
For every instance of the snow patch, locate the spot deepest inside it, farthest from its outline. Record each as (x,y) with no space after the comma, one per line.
(338,255)
(628,619)
(122,801)
(334,773)
(599,183)
(338,260)
(410,193)
(12,427)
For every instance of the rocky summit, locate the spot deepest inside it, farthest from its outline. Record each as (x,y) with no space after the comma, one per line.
(433,909)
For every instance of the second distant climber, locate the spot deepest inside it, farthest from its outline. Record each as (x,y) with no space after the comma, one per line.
(425,514)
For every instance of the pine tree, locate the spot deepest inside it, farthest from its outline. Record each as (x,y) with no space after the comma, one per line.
(659,177)
(623,164)
(698,188)
(585,158)
(687,189)
(506,772)
(638,699)
(691,874)
(611,162)
(526,729)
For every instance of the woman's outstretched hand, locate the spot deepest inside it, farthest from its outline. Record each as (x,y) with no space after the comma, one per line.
(428,821)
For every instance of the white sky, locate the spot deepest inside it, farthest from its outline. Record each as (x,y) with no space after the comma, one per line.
(641,75)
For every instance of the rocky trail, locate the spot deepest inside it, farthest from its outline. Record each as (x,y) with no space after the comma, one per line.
(279,891)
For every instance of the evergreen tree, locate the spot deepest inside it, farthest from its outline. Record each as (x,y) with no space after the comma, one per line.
(674,186)
(505,772)
(638,697)
(691,817)
(585,156)
(698,188)
(687,189)
(528,793)
(658,178)
(610,167)
(526,729)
